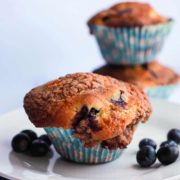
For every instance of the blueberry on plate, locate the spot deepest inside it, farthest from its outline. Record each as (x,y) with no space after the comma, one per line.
(168,143)
(147,141)
(21,142)
(174,134)
(39,148)
(168,154)
(146,156)
(45,138)
(32,135)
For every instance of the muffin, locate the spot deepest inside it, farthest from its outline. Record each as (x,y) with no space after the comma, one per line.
(157,80)
(89,118)
(130,33)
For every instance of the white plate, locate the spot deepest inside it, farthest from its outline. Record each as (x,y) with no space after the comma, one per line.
(18,166)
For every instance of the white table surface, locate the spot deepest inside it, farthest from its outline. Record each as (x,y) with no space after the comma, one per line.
(43,39)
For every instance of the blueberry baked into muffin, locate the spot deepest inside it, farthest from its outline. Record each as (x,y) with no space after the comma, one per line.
(130,33)
(155,78)
(97,112)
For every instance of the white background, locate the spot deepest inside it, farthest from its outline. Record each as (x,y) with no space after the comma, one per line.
(41,40)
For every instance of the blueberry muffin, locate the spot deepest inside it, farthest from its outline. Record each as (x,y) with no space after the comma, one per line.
(128,14)
(129,32)
(98,110)
(151,77)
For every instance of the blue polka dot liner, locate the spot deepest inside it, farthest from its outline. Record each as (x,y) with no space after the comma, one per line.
(72,149)
(131,46)
(161,92)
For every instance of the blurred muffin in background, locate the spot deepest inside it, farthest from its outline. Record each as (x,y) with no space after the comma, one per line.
(129,33)
(128,14)
(157,80)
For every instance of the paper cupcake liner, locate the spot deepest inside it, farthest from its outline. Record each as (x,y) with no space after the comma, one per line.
(72,149)
(160,92)
(131,46)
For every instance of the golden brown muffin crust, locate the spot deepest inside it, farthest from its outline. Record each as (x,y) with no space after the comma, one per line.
(43,100)
(127,14)
(149,75)
(96,107)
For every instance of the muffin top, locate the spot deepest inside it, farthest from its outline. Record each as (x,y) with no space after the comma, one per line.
(96,107)
(127,14)
(147,75)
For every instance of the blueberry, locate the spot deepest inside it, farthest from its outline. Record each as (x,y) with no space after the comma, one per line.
(174,134)
(93,112)
(120,101)
(21,142)
(45,138)
(82,114)
(39,148)
(93,123)
(147,141)
(168,154)
(105,18)
(32,135)
(146,156)
(168,143)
